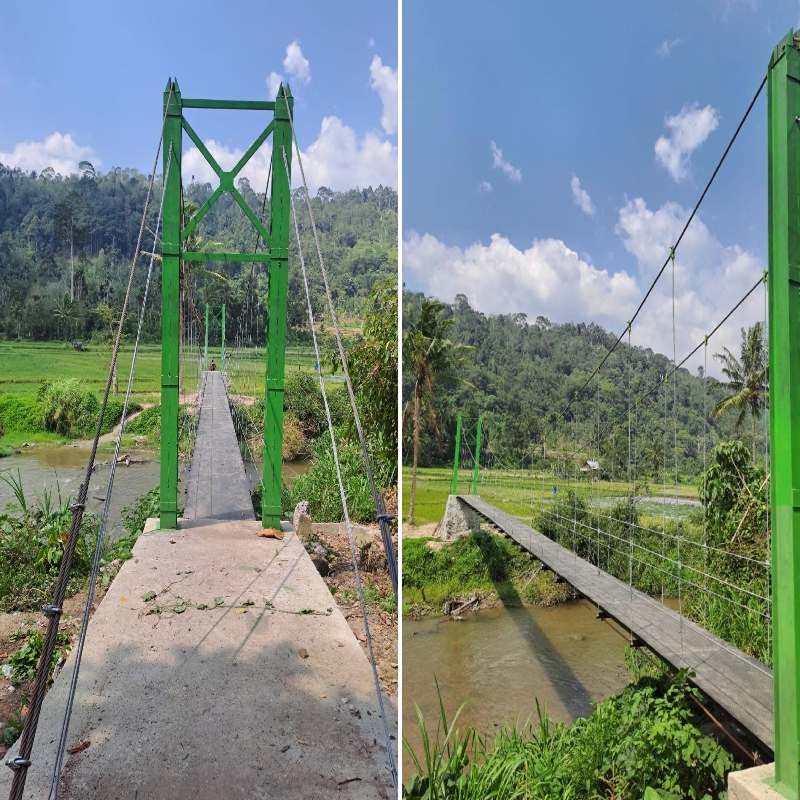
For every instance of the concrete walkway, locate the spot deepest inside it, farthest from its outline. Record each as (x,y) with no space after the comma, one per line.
(269,700)
(217,486)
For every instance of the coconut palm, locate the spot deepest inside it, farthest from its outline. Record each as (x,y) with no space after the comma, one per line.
(428,354)
(747,379)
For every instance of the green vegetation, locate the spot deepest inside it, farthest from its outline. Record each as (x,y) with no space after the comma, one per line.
(23,662)
(520,373)
(66,244)
(643,743)
(478,564)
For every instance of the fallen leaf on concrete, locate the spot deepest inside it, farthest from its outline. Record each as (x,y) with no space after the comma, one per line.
(78,748)
(248,603)
(219,601)
(302,652)
(148,596)
(270,533)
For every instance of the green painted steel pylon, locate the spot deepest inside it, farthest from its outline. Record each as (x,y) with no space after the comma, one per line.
(222,336)
(456,457)
(205,344)
(783,100)
(276,309)
(276,240)
(170,307)
(476,466)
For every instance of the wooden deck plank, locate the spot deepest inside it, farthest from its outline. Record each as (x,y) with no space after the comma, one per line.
(737,682)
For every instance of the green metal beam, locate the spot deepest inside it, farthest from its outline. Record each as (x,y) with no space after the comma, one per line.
(201,146)
(476,466)
(783,100)
(231,105)
(206,256)
(456,457)
(170,309)
(276,311)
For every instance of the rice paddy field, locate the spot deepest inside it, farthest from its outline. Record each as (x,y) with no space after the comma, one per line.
(522,492)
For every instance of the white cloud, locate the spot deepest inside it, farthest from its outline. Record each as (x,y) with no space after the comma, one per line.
(485,186)
(710,277)
(338,159)
(687,131)
(383,79)
(546,278)
(581,197)
(274,81)
(59,151)
(667,46)
(296,64)
(549,278)
(498,162)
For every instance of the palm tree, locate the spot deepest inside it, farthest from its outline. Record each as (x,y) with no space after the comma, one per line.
(747,379)
(428,354)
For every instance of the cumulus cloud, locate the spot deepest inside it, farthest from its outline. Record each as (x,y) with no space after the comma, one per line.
(499,162)
(485,186)
(687,131)
(383,79)
(581,197)
(546,278)
(58,150)
(710,277)
(296,64)
(338,158)
(549,278)
(667,46)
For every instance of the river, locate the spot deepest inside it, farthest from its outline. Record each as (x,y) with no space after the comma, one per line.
(499,662)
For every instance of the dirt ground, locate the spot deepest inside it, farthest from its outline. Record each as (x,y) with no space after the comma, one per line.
(381,611)
(14,698)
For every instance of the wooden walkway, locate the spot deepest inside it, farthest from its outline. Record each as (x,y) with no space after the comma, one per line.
(738,683)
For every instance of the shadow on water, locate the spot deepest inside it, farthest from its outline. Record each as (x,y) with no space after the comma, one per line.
(571,691)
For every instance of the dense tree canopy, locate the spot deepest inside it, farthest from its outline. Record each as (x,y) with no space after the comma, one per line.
(66,245)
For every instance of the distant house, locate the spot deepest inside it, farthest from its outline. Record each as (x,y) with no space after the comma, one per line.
(590,467)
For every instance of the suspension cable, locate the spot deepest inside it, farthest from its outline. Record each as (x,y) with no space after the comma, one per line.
(675,245)
(98,551)
(380,507)
(343,497)
(22,762)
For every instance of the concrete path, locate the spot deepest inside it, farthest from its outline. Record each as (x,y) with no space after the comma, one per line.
(263,694)
(217,486)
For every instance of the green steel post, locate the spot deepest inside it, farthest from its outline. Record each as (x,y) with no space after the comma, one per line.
(205,344)
(456,457)
(783,102)
(276,309)
(222,337)
(170,306)
(476,467)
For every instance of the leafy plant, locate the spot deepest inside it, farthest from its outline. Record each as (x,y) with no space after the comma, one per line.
(23,662)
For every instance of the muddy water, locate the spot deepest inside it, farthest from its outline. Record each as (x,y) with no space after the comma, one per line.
(501,661)
(61,469)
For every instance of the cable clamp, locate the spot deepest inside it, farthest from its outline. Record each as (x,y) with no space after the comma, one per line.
(52,611)
(75,506)
(18,763)
(385,517)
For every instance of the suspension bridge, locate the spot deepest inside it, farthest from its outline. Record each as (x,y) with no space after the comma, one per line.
(218,663)
(720,599)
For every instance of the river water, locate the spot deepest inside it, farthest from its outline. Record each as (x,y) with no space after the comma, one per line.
(499,662)
(60,468)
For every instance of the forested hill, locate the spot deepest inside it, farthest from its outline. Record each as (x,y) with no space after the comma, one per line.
(66,245)
(521,372)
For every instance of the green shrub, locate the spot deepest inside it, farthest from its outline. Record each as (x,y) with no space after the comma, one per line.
(67,408)
(148,423)
(24,661)
(20,412)
(643,742)
(319,485)
(134,518)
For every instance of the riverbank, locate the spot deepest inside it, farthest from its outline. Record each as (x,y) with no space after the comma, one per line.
(477,571)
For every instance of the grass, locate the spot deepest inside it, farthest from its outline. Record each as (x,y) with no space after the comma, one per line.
(480,563)
(643,744)
(26,364)
(521,492)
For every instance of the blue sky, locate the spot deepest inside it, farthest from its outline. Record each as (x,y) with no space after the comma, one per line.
(575,98)
(95,71)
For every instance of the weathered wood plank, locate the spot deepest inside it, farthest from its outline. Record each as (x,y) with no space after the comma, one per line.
(737,682)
